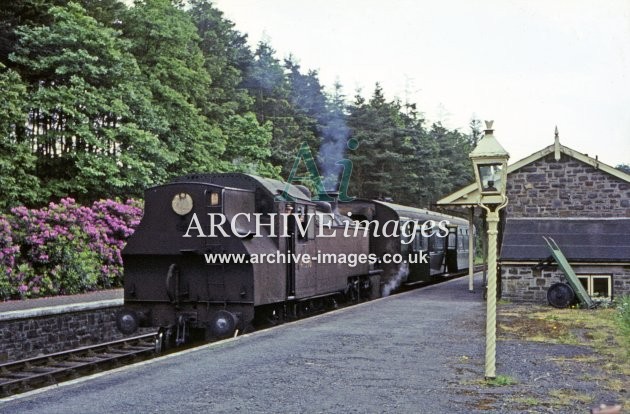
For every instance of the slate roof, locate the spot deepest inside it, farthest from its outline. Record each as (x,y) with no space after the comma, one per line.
(580,239)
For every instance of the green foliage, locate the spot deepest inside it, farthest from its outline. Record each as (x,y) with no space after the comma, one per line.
(501,381)
(226,56)
(17,164)
(267,84)
(384,161)
(75,269)
(165,44)
(399,159)
(248,147)
(118,98)
(64,248)
(63,265)
(623,316)
(85,108)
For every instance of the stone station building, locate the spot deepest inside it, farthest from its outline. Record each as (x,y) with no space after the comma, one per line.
(580,202)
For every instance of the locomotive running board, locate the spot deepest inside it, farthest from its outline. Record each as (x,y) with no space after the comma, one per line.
(566,268)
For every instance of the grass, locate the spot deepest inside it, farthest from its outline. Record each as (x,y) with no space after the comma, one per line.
(585,359)
(601,371)
(568,397)
(606,331)
(623,318)
(501,381)
(527,401)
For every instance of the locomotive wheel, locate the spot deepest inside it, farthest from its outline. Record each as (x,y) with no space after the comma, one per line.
(560,295)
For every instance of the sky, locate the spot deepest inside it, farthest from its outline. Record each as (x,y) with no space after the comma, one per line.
(528,65)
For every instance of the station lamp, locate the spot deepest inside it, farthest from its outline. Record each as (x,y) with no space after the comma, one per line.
(489,160)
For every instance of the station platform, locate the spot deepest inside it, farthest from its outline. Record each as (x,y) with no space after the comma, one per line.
(395,354)
(30,308)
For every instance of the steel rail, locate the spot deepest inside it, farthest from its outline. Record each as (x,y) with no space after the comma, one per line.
(26,374)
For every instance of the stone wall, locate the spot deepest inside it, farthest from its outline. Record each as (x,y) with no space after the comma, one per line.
(565,188)
(25,338)
(523,283)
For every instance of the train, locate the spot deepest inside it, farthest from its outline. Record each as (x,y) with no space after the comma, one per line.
(217,254)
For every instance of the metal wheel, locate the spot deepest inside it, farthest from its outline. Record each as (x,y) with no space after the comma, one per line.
(560,295)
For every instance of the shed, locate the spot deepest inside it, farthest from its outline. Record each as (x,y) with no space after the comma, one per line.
(581,202)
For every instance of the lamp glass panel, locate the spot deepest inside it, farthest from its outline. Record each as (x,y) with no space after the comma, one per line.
(491,177)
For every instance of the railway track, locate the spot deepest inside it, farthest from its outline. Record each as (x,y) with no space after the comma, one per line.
(27,374)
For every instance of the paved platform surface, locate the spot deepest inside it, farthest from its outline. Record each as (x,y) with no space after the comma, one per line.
(394,355)
(28,304)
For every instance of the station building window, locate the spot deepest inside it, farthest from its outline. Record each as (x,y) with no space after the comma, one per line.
(599,286)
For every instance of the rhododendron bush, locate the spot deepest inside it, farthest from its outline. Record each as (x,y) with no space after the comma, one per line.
(64,248)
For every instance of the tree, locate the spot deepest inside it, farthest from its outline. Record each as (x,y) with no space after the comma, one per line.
(18,184)
(166,45)
(475,131)
(248,148)
(86,110)
(334,135)
(398,158)
(226,57)
(383,150)
(14,14)
(452,168)
(267,84)
(624,168)
(307,96)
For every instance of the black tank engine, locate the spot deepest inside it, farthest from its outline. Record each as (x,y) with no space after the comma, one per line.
(179,279)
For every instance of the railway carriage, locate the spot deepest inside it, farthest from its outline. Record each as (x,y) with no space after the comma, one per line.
(444,243)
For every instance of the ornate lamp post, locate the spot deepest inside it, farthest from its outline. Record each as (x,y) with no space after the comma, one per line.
(490,162)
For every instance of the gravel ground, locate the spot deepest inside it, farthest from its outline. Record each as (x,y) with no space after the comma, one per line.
(419,352)
(549,377)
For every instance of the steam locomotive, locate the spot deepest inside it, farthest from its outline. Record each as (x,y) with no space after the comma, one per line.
(216,254)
